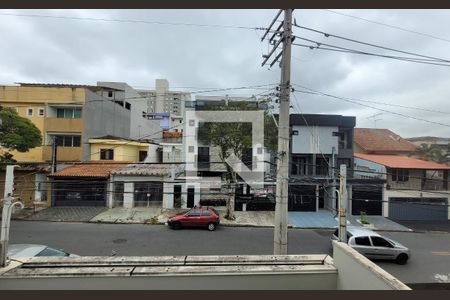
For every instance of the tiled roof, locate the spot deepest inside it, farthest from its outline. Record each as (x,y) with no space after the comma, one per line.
(381,140)
(90,169)
(145,169)
(402,162)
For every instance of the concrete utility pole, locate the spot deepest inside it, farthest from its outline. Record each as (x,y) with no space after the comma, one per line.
(343,204)
(281,207)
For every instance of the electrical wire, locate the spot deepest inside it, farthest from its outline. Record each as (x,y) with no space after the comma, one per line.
(389,25)
(370,44)
(350,100)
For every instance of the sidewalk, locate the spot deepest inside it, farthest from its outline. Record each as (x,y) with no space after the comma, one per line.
(157,215)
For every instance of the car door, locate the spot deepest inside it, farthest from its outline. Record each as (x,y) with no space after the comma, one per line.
(382,248)
(205,217)
(192,218)
(363,245)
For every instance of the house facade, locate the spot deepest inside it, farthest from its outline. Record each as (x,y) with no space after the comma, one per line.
(397,185)
(319,144)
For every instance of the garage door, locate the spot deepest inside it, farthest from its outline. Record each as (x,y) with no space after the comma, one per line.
(418,208)
(367,199)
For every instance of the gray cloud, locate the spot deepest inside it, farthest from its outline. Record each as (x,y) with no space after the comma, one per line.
(73,51)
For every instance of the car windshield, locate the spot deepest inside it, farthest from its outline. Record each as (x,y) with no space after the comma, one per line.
(52,252)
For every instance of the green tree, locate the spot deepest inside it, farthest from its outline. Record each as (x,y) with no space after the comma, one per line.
(235,138)
(429,152)
(17,133)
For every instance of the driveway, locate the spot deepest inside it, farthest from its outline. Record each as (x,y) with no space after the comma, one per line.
(67,214)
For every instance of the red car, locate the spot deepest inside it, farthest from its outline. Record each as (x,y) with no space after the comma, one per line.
(197,217)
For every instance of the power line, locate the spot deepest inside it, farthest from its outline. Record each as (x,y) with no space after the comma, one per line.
(370,44)
(388,104)
(347,50)
(373,107)
(388,25)
(132,21)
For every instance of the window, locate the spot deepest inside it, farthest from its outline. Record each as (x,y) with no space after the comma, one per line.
(30,112)
(110,94)
(52,252)
(400,175)
(206,213)
(380,242)
(68,113)
(362,241)
(41,112)
(142,155)
(67,140)
(106,154)
(193,213)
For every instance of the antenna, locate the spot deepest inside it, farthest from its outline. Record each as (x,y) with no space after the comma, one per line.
(375,120)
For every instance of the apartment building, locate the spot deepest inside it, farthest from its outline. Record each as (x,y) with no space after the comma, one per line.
(319,144)
(70,115)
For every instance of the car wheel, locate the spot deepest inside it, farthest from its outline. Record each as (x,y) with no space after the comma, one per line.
(211,226)
(401,259)
(176,225)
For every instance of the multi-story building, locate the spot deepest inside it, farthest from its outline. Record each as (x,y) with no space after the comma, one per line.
(319,144)
(166,105)
(70,115)
(398,186)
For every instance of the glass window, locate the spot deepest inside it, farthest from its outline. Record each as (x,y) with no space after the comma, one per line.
(206,213)
(76,141)
(68,113)
(29,112)
(380,242)
(106,154)
(194,213)
(77,113)
(52,252)
(41,112)
(59,140)
(67,141)
(362,240)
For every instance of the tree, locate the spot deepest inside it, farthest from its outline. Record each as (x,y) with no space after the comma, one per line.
(17,133)
(429,152)
(234,138)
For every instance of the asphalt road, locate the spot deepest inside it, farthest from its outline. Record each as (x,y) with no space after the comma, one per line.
(430,251)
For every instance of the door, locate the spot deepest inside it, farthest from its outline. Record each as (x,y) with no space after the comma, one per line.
(363,245)
(190,197)
(382,248)
(192,218)
(368,199)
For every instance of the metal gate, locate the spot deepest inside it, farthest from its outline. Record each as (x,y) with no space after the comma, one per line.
(418,208)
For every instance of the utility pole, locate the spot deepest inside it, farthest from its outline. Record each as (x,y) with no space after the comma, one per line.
(281,207)
(54,154)
(343,204)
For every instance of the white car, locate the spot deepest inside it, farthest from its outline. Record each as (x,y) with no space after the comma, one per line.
(31,250)
(375,246)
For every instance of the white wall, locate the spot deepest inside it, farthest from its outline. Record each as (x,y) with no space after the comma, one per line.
(314,139)
(356,272)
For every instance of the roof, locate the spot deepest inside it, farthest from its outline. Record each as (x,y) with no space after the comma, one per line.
(402,162)
(322,120)
(90,169)
(65,85)
(145,169)
(381,140)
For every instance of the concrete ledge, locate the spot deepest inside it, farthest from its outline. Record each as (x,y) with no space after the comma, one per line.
(358,271)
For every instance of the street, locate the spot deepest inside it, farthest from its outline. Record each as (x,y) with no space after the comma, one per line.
(430,251)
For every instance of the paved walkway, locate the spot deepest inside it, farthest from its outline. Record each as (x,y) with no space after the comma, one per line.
(157,215)
(67,214)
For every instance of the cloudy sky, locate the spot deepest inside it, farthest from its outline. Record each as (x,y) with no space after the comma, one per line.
(198,58)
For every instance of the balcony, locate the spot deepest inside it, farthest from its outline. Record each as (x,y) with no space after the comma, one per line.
(63,125)
(63,153)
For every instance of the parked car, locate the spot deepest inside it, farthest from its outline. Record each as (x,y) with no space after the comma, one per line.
(197,217)
(31,250)
(374,246)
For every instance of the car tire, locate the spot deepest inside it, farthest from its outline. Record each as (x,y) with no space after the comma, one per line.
(401,259)
(211,226)
(176,225)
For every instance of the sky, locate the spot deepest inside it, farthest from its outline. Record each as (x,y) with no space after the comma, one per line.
(215,52)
